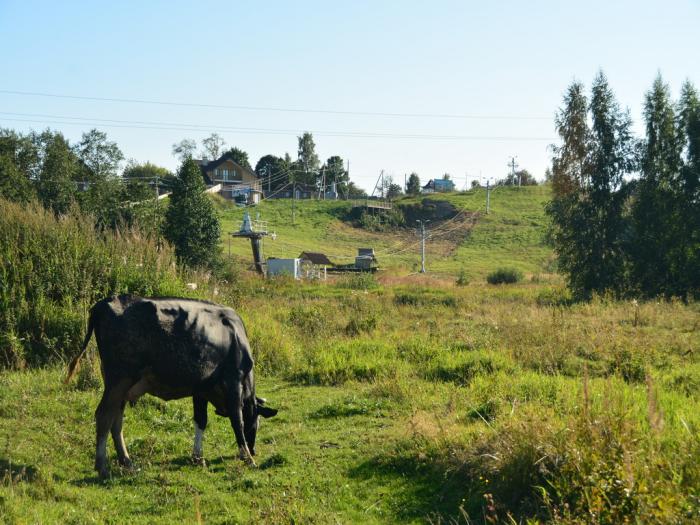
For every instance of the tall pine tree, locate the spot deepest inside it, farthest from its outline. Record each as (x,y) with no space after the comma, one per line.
(657,228)
(588,169)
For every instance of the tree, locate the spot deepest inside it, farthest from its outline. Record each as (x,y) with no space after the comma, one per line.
(240,157)
(140,180)
(18,160)
(520,177)
(57,187)
(335,173)
(588,169)
(14,185)
(99,157)
(212,146)
(393,190)
(660,236)
(447,176)
(308,161)
(355,191)
(191,223)
(689,200)
(184,149)
(273,171)
(413,185)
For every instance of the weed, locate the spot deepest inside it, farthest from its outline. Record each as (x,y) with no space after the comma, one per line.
(504,276)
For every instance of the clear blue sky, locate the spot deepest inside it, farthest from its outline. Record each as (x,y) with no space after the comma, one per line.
(492,59)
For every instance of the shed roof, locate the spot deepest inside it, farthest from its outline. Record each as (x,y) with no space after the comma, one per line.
(316,258)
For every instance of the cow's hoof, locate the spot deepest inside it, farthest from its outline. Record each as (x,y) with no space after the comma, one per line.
(199,461)
(126,463)
(103,473)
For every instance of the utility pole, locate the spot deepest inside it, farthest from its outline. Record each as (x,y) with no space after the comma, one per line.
(157,214)
(269,179)
(488,196)
(513,165)
(294,198)
(422,244)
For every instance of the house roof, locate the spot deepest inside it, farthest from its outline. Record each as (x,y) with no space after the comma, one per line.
(433,183)
(316,258)
(207,166)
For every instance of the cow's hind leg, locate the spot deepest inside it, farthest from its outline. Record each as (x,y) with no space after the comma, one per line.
(118,438)
(200,424)
(105,416)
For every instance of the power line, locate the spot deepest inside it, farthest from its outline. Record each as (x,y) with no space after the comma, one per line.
(276,109)
(110,123)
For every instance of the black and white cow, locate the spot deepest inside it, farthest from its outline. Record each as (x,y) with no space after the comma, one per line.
(172,348)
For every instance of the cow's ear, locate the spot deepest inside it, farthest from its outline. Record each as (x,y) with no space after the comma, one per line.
(266,411)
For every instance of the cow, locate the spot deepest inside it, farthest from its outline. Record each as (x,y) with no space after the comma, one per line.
(172,348)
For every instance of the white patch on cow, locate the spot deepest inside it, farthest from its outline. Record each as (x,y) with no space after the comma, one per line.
(245,455)
(198,438)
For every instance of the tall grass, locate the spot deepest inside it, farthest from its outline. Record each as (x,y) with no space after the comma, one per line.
(53,269)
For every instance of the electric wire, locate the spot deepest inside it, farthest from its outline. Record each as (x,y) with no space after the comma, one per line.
(276,109)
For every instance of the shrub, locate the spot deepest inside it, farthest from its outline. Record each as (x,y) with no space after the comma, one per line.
(360,324)
(53,269)
(504,276)
(462,278)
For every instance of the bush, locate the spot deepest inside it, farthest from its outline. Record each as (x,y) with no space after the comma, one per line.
(504,276)
(462,278)
(53,269)
(360,324)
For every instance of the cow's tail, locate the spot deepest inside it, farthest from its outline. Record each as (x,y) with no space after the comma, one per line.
(75,363)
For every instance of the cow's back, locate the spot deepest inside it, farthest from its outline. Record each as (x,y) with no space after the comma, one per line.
(181,341)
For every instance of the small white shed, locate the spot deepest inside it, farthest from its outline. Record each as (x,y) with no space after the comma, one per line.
(291,267)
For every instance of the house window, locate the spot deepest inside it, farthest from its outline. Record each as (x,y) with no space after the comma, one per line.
(225,171)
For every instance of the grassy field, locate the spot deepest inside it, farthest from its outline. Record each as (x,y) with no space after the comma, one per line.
(512,234)
(398,403)
(403,398)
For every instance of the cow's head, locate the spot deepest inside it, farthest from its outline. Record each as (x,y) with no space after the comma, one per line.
(253,409)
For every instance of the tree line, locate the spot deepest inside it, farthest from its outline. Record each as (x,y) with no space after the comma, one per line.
(45,167)
(278,172)
(626,211)
(92,176)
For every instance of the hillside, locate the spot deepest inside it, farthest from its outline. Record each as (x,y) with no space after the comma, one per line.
(511,235)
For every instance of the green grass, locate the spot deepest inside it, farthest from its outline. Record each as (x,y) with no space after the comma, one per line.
(555,413)
(403,398)
(511,235)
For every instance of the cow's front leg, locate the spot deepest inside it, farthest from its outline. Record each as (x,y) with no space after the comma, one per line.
(200,424)
(235,409)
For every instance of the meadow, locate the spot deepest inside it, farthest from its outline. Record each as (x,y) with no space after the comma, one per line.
(403,398)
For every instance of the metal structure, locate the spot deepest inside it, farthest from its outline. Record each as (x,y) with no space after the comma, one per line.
(255,231)
(372,204)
